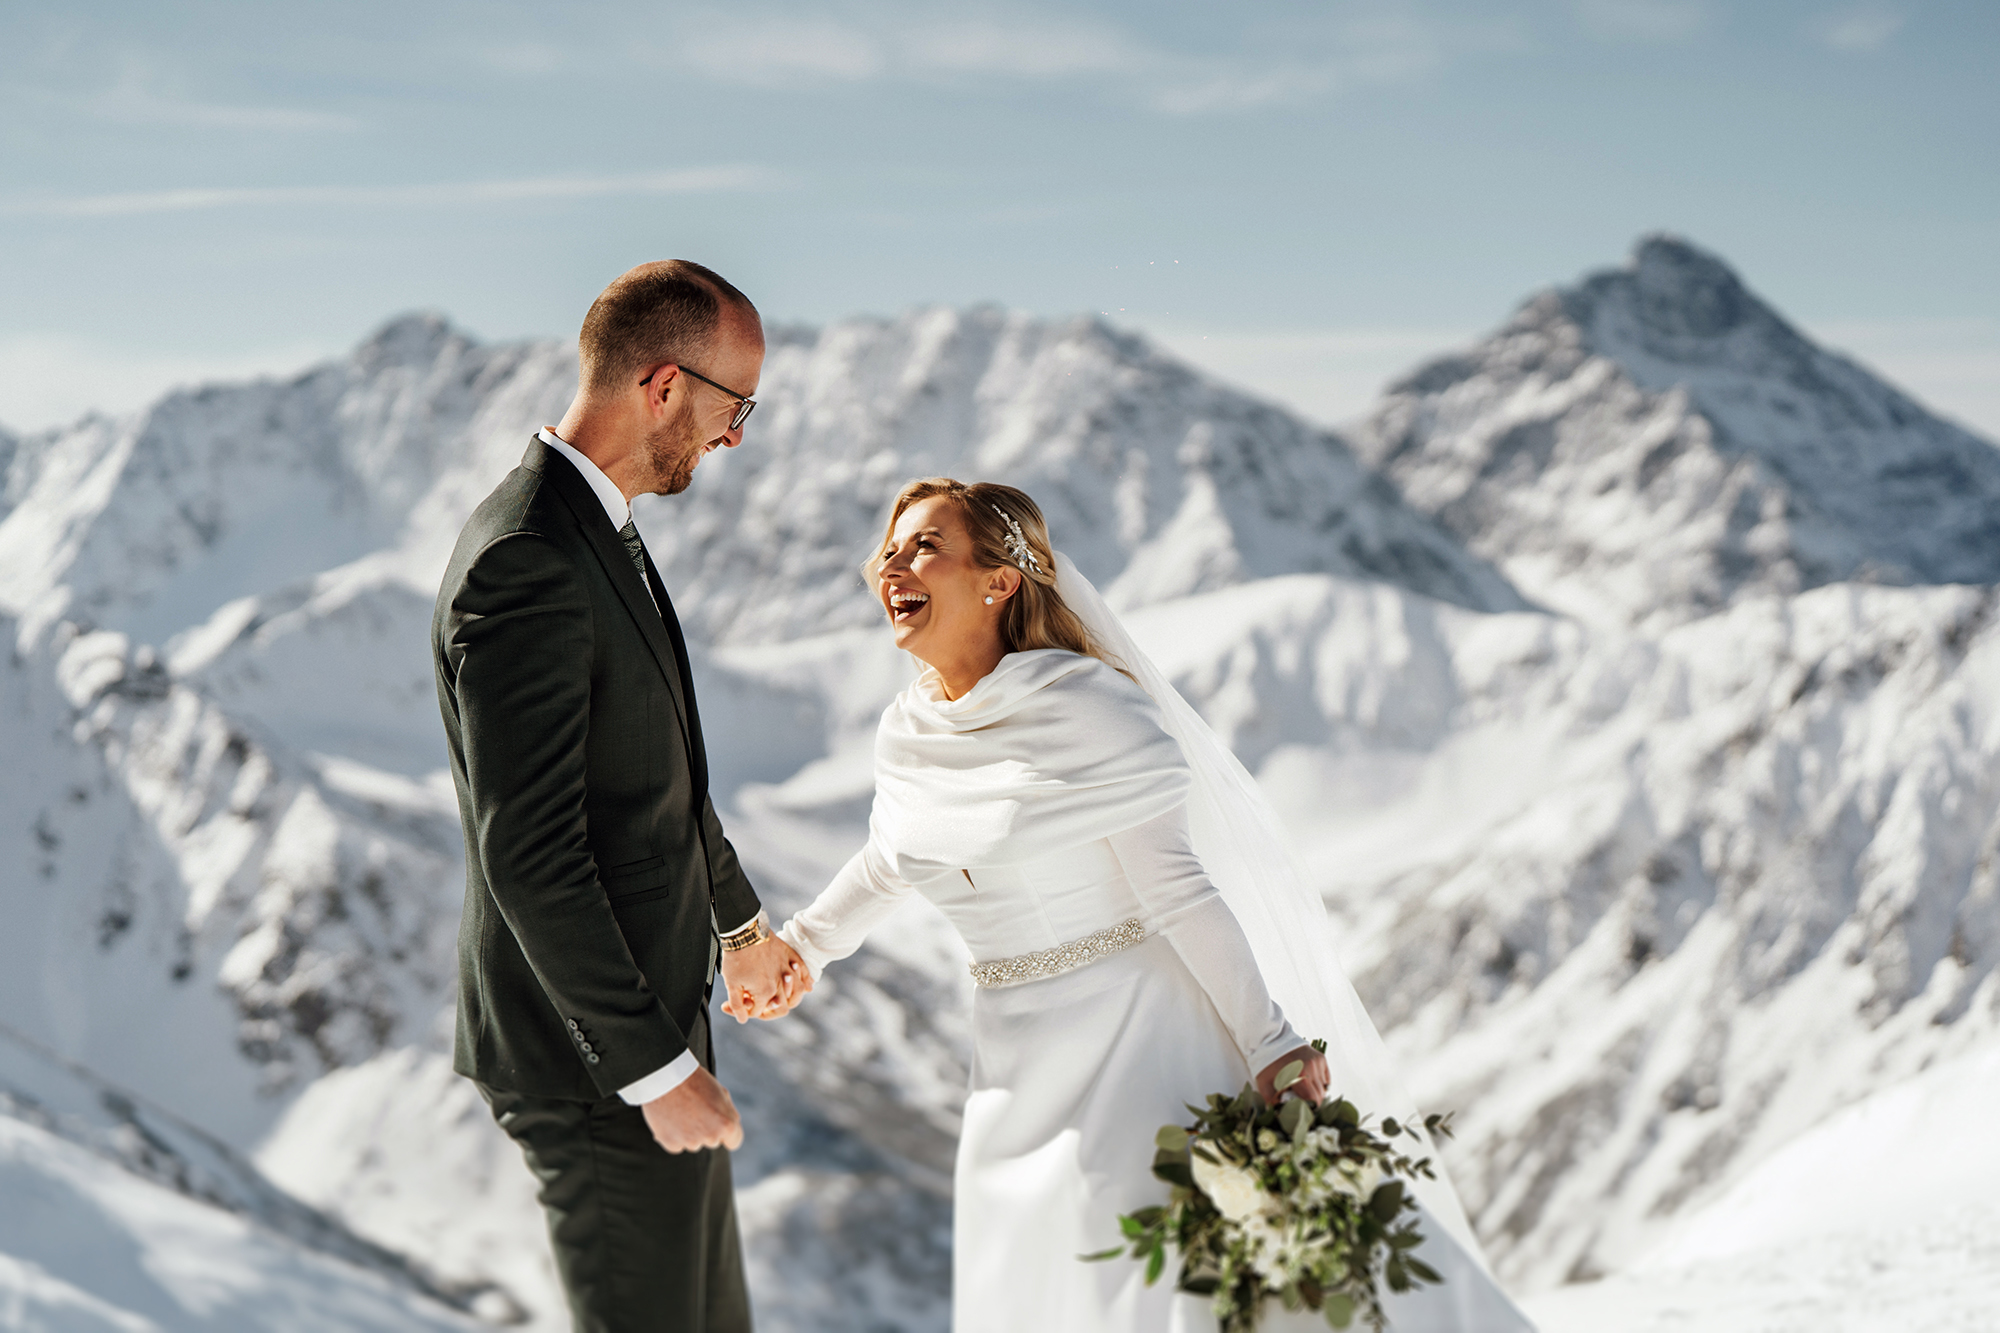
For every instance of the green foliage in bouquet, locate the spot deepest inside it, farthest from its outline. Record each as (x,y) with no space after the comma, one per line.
(1297,1203)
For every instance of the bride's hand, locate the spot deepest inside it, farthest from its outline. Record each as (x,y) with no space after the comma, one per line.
(1313,1081)
(765,980)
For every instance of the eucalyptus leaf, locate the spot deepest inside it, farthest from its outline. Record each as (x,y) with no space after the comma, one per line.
(1339,1309)
(1290,1074)
(1155,1262)
(1102,1255)
(1171,1138)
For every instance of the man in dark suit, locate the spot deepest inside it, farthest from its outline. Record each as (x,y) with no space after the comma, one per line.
(600,890)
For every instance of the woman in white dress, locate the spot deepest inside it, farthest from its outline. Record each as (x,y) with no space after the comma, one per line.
(1037,794)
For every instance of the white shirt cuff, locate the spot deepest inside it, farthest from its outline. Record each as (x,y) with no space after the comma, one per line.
(661,1081)
(745,926)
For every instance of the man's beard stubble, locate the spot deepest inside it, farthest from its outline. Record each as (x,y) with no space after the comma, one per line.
(672,452)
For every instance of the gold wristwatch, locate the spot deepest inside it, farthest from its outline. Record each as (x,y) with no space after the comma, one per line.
(754,933)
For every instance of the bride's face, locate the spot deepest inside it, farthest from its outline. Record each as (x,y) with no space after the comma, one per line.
(934,592)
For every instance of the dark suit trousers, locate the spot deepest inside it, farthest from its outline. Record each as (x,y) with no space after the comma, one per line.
(645,1239)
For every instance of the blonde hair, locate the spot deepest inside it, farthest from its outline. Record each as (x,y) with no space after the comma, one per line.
(1036,615)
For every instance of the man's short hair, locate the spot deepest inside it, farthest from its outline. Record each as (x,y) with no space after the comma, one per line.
(664,311)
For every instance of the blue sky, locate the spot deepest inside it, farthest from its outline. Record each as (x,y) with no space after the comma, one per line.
(1306,196)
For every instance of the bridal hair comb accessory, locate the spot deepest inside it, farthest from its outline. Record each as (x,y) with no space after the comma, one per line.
(1017,543)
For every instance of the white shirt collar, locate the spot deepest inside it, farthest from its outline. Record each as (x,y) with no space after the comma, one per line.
(616,507)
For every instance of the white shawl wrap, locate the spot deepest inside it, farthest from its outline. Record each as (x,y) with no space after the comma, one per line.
(1050,750)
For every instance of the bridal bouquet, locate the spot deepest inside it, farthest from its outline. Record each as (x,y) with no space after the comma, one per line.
(1300,1203)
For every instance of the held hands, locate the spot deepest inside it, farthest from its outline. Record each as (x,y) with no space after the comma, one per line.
(1312,1083)
(698,1114)
(765,980)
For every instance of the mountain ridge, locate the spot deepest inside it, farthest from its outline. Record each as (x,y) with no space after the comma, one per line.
(1542,833)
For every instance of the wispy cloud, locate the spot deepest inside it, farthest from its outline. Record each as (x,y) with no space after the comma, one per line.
(699,180)
(1385,46)
(1863,29)
(144,94)
(780,50)
(1038,50)
(1368,43)
(1642,20)
(135,106)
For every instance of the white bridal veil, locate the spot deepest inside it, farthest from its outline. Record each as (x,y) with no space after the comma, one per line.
(1242,846)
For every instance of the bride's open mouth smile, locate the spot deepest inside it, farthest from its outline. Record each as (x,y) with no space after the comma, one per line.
(906,603)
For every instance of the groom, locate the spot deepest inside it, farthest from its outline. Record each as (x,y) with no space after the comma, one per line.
(601,894)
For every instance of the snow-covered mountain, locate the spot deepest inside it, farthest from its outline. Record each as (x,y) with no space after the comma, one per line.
(1655,442)
(122,1216)
(1159,484)
(1648,867)
(1643,908)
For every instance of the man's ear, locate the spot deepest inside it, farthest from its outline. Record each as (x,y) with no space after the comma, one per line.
(658,385)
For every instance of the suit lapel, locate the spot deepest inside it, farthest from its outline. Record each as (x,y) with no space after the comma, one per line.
(697,752)
(669,653)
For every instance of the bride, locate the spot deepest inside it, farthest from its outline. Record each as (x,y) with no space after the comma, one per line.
(1139,940)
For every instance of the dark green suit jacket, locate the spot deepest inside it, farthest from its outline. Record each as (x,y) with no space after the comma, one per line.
(591,848)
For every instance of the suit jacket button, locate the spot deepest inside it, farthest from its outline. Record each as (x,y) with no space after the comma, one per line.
(591,1058)
(572,1025)
(586,1046)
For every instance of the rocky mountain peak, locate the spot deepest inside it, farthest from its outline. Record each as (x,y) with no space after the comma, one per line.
(413,341)
(1656,440)
(1683,291)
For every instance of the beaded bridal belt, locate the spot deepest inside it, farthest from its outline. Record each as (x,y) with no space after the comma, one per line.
(1062,958)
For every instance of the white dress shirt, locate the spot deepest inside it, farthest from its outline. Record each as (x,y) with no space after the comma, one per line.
(619,510)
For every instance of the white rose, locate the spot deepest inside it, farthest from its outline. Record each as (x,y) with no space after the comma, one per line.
(1234,1190)
(1356,1182)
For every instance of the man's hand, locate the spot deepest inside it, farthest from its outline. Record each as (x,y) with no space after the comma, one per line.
(697,1114)
(763,981)
(1313,1080)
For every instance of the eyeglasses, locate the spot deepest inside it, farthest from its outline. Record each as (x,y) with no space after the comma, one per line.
(744,406)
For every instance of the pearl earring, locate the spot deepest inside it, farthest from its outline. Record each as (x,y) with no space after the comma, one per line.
(989,601)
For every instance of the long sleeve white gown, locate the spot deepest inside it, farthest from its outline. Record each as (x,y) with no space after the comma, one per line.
(1071,1073)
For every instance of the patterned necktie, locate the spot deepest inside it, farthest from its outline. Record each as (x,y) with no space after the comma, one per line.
(629,534)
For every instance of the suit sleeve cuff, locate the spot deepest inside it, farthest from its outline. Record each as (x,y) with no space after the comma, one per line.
(661,1081)
(747,923)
